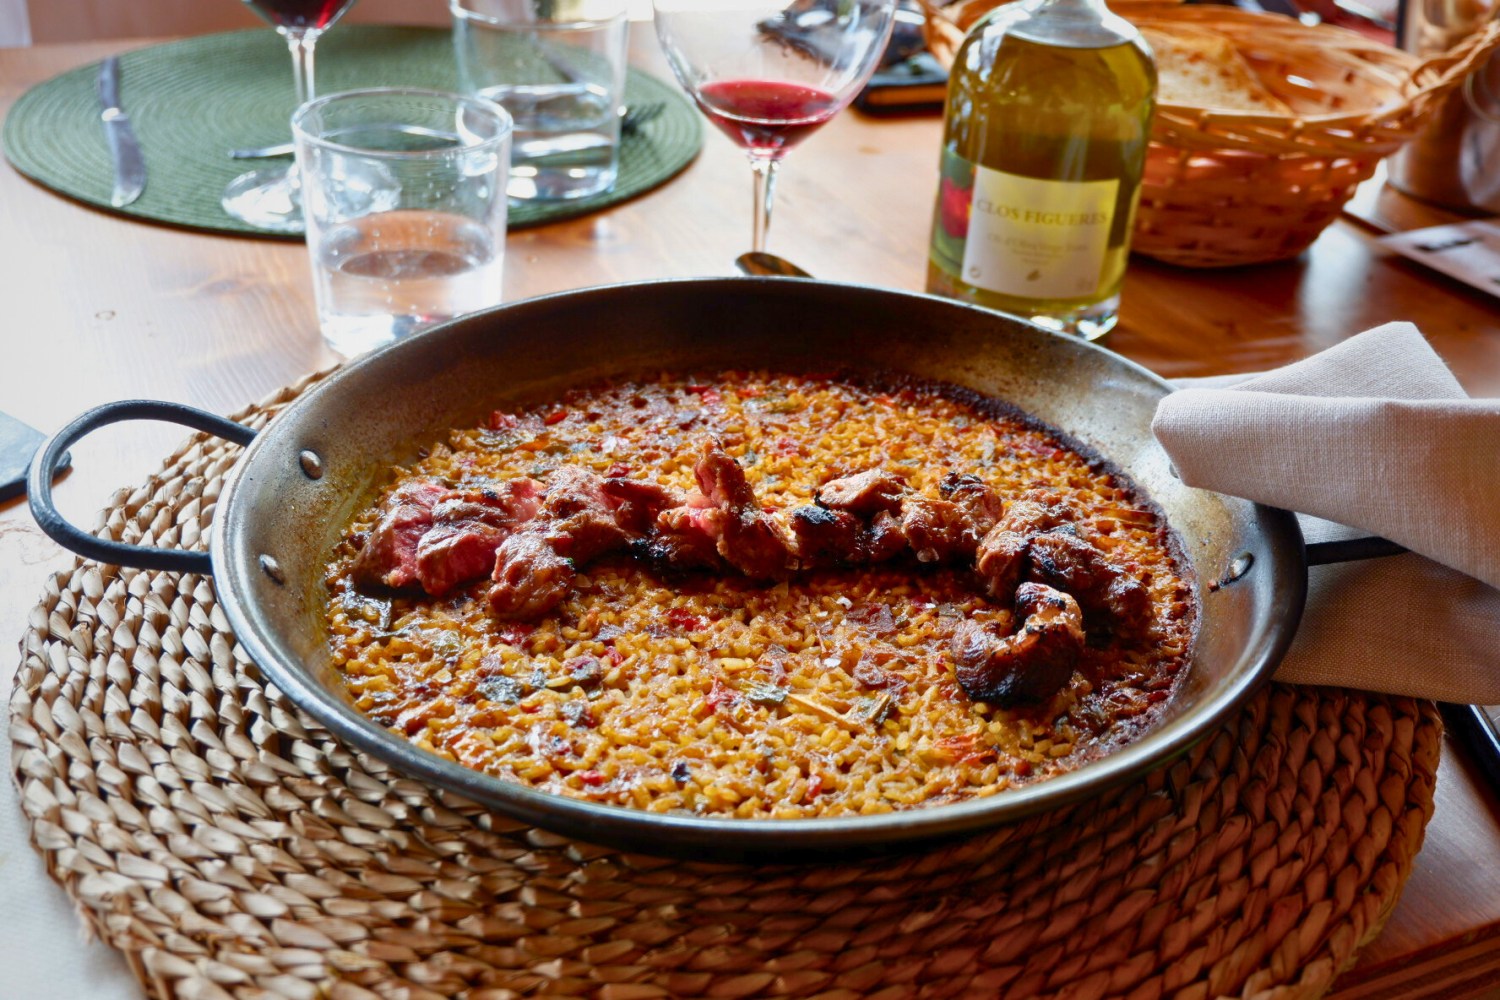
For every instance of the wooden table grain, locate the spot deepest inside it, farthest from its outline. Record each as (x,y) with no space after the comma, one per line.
(98,307)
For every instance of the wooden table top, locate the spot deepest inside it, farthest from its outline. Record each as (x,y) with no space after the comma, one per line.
(101,308)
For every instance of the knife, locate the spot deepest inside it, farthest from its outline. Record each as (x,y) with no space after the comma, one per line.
(130,168)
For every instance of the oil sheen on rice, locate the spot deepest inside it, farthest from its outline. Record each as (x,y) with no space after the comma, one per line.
(829,694)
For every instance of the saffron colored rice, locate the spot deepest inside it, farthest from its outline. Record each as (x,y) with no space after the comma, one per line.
(830,694)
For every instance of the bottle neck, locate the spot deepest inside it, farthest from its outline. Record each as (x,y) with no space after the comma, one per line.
(1074,23)
(1081,9)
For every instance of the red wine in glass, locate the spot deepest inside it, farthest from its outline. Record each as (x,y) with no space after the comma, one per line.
(766,116)
(299,15)
(769,73)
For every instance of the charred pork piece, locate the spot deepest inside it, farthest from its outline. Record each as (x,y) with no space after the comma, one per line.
(1105,590)
(748,539)
(1031,665)
(686,537)
(884,540)
(1001,559)
(530,577)
(721,480)
(639,502)
(579,516)
(389,555)
(671,552)
(467,527)
(756,545)
(864,494)
(936,530)
(980,504)
(827,537)
(1129,604)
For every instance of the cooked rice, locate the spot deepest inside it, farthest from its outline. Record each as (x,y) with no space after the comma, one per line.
(830,694)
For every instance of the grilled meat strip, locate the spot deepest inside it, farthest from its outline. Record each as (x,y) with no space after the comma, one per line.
(1027,551)
(1001,559)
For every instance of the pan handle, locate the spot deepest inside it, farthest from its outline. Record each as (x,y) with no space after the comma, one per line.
(45,465)
(1352,549)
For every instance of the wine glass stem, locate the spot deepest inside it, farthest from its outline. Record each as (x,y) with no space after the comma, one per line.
(764,169)
(301,43)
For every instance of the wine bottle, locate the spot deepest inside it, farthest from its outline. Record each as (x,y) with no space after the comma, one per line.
(1045,128)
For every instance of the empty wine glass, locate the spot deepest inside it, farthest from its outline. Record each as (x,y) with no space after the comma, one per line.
(768,73)
(267,198)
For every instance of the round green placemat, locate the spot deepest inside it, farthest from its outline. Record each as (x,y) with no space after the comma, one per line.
(193,100)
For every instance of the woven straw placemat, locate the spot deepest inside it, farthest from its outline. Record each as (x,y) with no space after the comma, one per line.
(193,100)
(229,848)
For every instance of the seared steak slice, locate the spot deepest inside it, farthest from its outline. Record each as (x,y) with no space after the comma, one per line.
(756,545)
(500,505)
(863,494)
(448,556)
(389,555)
(530,577)
(721,480)
(1029,666)
(468,526)
(578,517)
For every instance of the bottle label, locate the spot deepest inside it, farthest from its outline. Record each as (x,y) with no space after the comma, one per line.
(1035,239)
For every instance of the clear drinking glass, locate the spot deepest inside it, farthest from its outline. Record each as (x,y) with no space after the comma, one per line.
(769,73)
(404,197)
(267,198)
(558,67)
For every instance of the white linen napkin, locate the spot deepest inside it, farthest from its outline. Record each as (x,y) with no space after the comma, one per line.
(1376,435)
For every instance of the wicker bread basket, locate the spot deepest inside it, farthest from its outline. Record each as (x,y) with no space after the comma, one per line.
(1238,187)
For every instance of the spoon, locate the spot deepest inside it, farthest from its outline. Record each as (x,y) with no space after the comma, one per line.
(759,264)
(631,119)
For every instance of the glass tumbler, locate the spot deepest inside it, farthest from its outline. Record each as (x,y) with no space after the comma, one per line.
(558,67)
(404,196)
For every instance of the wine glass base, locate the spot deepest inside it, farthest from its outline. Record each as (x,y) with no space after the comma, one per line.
(266,199)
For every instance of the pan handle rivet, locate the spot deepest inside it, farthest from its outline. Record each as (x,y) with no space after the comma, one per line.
(1238,567)
(272,568)
(311,464)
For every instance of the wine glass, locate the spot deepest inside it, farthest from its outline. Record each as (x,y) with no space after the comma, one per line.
(768,73)
(267,198)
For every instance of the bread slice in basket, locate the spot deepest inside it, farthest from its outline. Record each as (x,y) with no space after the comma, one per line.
(1201,68)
